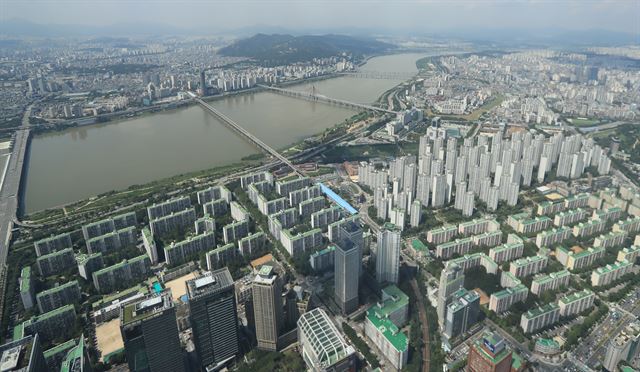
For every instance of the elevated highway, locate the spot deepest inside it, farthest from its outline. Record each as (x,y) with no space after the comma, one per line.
(320,98)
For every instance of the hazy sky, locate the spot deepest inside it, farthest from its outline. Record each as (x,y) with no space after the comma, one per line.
(427,15)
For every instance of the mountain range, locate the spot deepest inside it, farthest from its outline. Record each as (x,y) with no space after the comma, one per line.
(284,48)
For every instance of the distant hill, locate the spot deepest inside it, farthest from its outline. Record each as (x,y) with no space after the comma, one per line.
(279,48)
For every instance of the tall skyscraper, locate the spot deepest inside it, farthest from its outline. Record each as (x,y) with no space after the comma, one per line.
(203,84)
(388,254)
(346,275)
(214,317)
(267,308)
(451,280)
(462,313)
(353,232)
(150,333)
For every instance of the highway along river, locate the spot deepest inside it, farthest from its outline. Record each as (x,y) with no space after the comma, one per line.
(81,162)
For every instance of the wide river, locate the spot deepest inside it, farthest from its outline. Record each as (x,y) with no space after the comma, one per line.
(81,162)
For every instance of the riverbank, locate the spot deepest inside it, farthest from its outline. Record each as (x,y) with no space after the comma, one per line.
(157,147)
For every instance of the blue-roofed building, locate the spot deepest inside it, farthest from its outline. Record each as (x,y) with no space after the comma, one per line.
(337,199)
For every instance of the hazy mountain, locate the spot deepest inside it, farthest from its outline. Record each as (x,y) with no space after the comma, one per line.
(281,48)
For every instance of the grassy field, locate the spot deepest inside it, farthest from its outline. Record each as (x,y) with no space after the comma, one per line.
(583,122)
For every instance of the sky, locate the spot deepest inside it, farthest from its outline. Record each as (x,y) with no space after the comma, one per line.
(326,15)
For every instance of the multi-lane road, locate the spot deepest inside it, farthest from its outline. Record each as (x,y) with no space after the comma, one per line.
(9,198)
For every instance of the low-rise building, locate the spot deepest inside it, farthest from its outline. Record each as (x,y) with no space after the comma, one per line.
(631,225)
(323,260)
(26,288)
(457,246)
(221,256)
(576,302)
(52,244)
(476,259)
(52,325)
(252,243)
(577,201)
(488,239)
(553,236)
(528,265)
(442,234)
(214,193)
(629,254)
(608,274)
(478,226)
(540,317)
(173,221)
(323,347)
(501,301)
(235,231)
(512,249)
(88,263)
(56,262)
(550,282)
(302,242)
(591,227)
(570,217)
(165,208)
(610,239)
(238,212)
(108,225)
(122,275)
(324,217)
(576,260)
(65,294)
(189,249)
(113,241)
(608,214)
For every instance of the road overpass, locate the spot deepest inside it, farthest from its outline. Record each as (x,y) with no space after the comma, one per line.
(320,98)
(244,133)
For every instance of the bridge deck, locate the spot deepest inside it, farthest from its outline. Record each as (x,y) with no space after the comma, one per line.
(314,97)
(253,139)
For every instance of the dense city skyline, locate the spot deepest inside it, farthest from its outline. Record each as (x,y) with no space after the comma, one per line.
(347,186)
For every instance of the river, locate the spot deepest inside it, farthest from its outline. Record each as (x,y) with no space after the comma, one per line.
(78,163)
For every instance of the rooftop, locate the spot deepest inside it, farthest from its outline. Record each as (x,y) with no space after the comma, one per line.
(395,300)
(394,336)
(116,296)
(511,291)
(576,296)
(58,288)
(25,279)
(534,313)
(491,341)
(74,359)
(145,308)
(121,264)
(210,283)
(325,339)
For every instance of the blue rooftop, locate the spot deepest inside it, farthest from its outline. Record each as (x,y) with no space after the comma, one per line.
(336,198)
